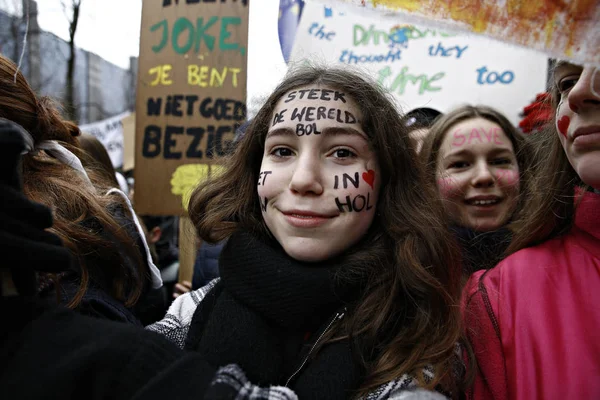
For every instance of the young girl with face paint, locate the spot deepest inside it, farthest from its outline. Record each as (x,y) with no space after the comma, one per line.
(338,279)
(477,159)
(534,319)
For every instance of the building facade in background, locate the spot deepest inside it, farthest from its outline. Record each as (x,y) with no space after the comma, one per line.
(102,89)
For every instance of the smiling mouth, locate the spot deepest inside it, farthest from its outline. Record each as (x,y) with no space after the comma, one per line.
(306,220)
(478,202)
(306,216)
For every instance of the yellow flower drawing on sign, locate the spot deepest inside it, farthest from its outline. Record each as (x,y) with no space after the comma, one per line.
(186,177)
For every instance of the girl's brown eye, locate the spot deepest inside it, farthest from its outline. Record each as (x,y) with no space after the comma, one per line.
(458,165)
(501,161)
(281,152)
(343,153)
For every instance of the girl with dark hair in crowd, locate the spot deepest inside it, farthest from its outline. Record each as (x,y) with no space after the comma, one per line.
(480,163)
(534,319)
(113,270)
(418,122)
(338,279)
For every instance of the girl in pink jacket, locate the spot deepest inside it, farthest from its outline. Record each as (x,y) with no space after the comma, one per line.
(534,320)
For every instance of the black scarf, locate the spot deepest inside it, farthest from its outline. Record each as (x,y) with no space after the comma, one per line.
(481,250)
(263,311)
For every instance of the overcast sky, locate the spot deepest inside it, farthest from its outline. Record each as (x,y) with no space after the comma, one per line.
(111,29)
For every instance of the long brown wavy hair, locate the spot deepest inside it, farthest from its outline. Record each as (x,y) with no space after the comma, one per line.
(549,206)
(71,199)
(408,316)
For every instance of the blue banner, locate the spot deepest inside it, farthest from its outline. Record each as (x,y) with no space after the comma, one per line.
(289,18)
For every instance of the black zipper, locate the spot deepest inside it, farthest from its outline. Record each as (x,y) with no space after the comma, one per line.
(339,315)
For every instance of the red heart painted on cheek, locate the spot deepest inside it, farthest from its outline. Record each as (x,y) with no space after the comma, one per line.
(369,177)
(563,125)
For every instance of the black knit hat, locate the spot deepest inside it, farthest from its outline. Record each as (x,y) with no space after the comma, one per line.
(420,118)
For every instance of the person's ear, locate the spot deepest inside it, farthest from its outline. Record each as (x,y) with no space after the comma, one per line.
(154,235)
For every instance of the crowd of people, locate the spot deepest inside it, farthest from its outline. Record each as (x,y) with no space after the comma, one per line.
(385,256)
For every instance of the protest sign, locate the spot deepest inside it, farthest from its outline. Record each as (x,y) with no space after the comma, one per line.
(191,96)
(110,133)
(128,142)
(566,29)
(421,65)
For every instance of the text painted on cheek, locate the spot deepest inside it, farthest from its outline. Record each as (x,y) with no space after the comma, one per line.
(345,179)
(263,203)
(359,202)
(446,186)
(356,204)
(262,177)
(507,177)
(368,177)
(477,135)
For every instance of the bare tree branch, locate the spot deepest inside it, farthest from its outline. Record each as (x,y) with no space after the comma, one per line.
(66,11)
(70,95)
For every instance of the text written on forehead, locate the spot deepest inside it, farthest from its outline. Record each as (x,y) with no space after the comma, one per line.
(316,94)
(311,114)
(491,136)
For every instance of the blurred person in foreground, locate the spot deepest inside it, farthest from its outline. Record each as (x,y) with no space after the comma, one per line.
(113,269)
(73,356)
(534,319)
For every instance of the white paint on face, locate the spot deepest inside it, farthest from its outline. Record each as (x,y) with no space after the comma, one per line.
(578,119)
(478,175)
(321,188)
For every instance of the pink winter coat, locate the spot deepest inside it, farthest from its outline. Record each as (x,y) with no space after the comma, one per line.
(534,320)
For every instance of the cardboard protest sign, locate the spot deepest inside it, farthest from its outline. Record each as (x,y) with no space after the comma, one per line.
(191,96)
(128,142)
(110,133)
(421,65)
(566,29)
